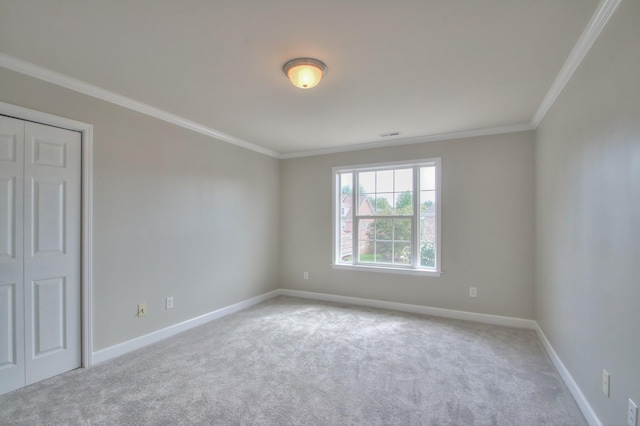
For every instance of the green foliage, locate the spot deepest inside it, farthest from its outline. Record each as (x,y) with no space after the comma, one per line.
(382,206)
(404,203)
(428,254)
(392,236)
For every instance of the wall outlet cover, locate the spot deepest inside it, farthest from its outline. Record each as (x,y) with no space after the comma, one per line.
(632,414)
(142,309)
(606,385)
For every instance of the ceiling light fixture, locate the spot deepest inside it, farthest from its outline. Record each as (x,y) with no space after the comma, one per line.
(304,73)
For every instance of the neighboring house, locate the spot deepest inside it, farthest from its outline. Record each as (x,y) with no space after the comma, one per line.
(364,208)
(428,219)
(346,222)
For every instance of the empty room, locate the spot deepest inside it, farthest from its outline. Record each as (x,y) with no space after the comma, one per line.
(288,212)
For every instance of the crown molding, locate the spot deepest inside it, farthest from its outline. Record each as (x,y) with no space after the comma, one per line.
(50,76)
(601,16)
(415,140)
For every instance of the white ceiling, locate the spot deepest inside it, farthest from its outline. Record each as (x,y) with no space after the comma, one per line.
(420,67)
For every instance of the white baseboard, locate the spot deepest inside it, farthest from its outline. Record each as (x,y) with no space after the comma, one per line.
(142,341)
(416,309)
(582,402)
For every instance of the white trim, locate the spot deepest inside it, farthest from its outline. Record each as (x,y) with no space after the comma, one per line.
(415,140)
(71,83)
(148,339)
(589,35)
(87,211)
(362,267)
(50,76)
(87,247)
(355,265)
(416,309)
(582,402)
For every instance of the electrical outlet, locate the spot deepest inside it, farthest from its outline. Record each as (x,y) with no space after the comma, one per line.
(169,302)
(606,386)
(473,292)
(632,414)
(306,275)
(142,309)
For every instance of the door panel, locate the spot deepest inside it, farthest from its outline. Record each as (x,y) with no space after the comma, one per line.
(9,134)
(49,332)
(12,364)
(48,217)
(7,217)
(8,338)
(52,251)
(49,153)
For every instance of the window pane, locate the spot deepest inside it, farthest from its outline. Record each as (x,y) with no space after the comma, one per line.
(428,228)
(402,229)
(346,217)
(346,183)
(365,250)
(383,252)
(427,203)
(384,181)
(366,242)
(428,178)
(386,241)
(366,205)
(402,253)
(404,203)
(403,180)
(367,182)
(384,204)
(428,254)
(383,230)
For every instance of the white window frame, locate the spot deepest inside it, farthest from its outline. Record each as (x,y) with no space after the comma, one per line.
(414,268)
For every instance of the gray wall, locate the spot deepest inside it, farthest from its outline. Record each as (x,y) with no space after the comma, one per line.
(176,214)
(588,219)
(487,227)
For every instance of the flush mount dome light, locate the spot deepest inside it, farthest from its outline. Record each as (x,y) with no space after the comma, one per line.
(304,73)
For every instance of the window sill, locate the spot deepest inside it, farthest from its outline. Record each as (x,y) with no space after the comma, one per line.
(401,271)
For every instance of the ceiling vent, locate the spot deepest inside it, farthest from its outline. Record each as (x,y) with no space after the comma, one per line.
(386,135)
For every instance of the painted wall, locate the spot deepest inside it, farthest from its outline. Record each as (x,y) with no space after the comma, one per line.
(587,284)
(176,214)
(487,227)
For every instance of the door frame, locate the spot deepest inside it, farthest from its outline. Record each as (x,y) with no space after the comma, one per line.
(86,242)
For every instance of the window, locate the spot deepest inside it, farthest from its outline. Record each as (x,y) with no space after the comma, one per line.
(387,217)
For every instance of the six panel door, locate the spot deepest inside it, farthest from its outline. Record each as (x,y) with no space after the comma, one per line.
(45,329)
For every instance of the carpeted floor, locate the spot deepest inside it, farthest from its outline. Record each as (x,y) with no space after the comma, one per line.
(296,362)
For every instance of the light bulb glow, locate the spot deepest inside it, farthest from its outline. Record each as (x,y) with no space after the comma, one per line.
(304,73)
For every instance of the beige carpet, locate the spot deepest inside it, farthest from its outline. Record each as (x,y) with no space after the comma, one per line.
(296,362)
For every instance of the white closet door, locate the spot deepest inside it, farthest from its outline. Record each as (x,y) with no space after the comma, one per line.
(51,251)
(12,372)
